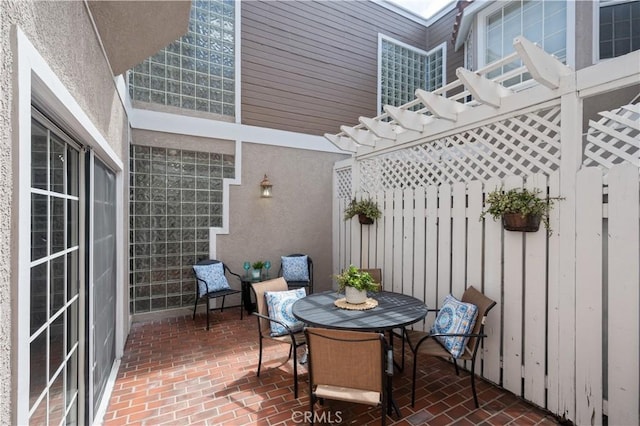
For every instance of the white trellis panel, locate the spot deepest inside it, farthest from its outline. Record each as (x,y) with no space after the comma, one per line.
(615,138)
(512,317)
(408,227)
(387,266)
(589,288)
(444,243)
(535,298)
(624,296)
(493,289)
(458,240)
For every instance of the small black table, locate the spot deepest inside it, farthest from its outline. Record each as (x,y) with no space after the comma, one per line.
(245,281)
(394,310)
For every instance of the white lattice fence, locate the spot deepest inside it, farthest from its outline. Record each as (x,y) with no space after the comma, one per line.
(614,138)
(525,144)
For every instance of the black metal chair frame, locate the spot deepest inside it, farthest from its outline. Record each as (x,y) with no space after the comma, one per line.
(472,346)
(299,284)
(215,294)
(294,339)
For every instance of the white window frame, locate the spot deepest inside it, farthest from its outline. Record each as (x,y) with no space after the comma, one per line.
(481,25)
(597,6)
(382,37)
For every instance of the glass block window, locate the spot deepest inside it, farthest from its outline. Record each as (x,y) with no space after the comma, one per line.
(176,196)
(403,69)
(619,28)
(196,72)
(542,22)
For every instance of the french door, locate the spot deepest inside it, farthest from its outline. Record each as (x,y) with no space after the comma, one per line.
(72,300)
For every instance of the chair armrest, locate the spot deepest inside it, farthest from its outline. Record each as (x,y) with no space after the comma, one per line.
(289,331)
(481,335)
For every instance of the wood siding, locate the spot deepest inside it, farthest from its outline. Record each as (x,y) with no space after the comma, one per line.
(440,32)
(311,66)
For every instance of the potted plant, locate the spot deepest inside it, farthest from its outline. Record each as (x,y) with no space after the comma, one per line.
(367,211)
(520,209)
(355,284)
(257,269)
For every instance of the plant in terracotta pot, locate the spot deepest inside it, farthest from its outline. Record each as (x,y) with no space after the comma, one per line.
(367,211)
(520,209)
(257,268)
(355,284)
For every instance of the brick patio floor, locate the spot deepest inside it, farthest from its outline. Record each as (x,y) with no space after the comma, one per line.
(175,372)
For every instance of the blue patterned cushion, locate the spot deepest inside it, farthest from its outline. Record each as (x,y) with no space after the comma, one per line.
(295,268)
(280,304)
(213,276)
(455,317)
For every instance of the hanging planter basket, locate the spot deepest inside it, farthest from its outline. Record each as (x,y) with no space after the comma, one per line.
(517,222)
(364,220)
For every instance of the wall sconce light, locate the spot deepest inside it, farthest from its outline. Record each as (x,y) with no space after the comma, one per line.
(265,187)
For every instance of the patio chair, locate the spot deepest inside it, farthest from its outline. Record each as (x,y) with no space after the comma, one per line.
(286,333)
(297,270)
(376,274)
(454,347)
(212,283)
(347,366)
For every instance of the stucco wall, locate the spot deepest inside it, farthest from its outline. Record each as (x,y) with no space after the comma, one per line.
(63,35)
(297,219)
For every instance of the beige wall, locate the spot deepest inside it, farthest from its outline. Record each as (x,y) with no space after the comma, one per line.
(62,34)
(297,219)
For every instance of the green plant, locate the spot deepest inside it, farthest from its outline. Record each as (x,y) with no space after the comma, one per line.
(353,277)
(519,200)
(258,265)
(367,207)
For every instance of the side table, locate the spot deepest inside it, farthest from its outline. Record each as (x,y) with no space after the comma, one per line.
(246,280)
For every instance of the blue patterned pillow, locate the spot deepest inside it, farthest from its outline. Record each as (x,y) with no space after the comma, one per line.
(455,317)
(295,268)
(280,304)
(213,277)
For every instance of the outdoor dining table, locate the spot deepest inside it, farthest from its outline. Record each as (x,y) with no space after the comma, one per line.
(394,310)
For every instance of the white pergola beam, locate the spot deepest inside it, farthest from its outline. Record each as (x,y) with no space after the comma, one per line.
(342,142)
(379,128)
(483,90)
(408,119)
(440,106)
(361,137)
(544,68)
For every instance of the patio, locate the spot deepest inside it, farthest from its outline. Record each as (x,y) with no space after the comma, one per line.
(175,372)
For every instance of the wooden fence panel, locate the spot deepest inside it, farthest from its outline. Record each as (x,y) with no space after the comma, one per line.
(444,243)
(431,263)
(589,296)
(459,239)
(624,296)
(387,267)
(492,351)
(512,306)
(419,244)
(535,299)
(553,301)
(408,235)
(380,246)
(397,241)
